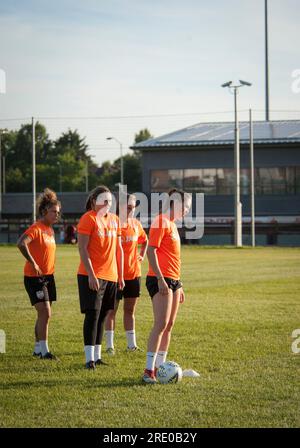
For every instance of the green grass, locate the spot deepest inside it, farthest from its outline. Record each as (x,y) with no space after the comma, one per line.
(234,329)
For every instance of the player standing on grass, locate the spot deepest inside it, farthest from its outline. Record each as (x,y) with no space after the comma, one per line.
(133,234)
(100,270)
(37,244)
(163,278)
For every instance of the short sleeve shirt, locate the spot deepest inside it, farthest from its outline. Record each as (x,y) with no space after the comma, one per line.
(165,237)
(42,248)
(103,232)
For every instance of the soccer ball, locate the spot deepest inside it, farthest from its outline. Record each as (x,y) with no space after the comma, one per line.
(169,372)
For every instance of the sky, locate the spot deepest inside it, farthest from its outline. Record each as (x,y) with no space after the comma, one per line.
(111,68)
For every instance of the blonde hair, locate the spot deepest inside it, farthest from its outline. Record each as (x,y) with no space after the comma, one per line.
(46,200)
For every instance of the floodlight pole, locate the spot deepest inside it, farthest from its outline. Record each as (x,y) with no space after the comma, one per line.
(238,205)
(267,62)
(0,176)
(2,159)
(121,155)
(252,179)
(86,176)
(33,173)
(237,200)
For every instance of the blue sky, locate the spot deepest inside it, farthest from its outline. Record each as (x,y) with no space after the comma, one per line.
(136,57)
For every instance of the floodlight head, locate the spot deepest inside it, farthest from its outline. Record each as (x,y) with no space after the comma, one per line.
(227,84)
(108,138)
(245,83)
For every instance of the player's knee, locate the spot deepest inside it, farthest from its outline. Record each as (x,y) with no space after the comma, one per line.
(169,326)
(161,326)
(45,315)
(129,311)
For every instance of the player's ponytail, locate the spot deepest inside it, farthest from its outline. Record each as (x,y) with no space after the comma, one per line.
(93,196)
(46,200)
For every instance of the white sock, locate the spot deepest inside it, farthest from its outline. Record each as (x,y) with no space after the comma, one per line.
(97,352)
(44,347)
(37,348)
(131,339)
(161,357)
(109,339)
(150,362)
(89,353)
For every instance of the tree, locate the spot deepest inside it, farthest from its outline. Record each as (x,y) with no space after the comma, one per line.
(142,135)
(66,156)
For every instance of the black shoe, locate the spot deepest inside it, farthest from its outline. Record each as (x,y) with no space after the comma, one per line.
(36,355)
(90,365)
(99,362)
(49,356)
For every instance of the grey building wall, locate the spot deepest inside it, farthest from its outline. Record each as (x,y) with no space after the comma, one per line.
(223,157)
(20,204)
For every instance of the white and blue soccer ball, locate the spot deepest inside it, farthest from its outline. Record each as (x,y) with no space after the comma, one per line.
(169,372)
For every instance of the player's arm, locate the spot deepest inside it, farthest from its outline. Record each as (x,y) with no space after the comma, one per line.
(120,263)
(143,251)
(83,241)
(22,244)
(152,257)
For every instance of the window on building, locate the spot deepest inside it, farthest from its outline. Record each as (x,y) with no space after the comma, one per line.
(225,181)
(221,181)
(163,180)
(297,180)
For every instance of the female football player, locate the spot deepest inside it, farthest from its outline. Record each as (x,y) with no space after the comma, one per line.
(163,279)
(133,234)
(37,244)
(100,269)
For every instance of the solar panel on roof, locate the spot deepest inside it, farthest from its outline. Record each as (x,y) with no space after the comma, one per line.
(223,133)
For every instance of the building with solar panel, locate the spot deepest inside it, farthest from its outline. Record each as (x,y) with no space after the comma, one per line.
(200,158)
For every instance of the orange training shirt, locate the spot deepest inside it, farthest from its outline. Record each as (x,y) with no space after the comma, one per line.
(103,233)
(133,234)
(164,235)
(42,248)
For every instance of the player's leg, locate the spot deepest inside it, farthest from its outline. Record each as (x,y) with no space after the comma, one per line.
(131,294)
(110,324)
(162,306)
(37,347)
(166,336)
(89,335)
(108,304)
(129,322)
(42,326)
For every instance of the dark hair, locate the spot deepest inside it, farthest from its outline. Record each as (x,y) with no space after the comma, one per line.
(123,197)
(167,203)
(94,194)
(46,200)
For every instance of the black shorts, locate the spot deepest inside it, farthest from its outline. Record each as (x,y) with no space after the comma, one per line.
(152,284)
(132,289)
(103,299)
(40,289)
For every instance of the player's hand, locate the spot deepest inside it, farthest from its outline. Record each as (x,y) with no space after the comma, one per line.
(163,287)
(182,296)
(93,283)
(37,269)
(140,258)
(121,284)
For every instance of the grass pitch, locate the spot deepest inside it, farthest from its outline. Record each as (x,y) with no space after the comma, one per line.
(234,329)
